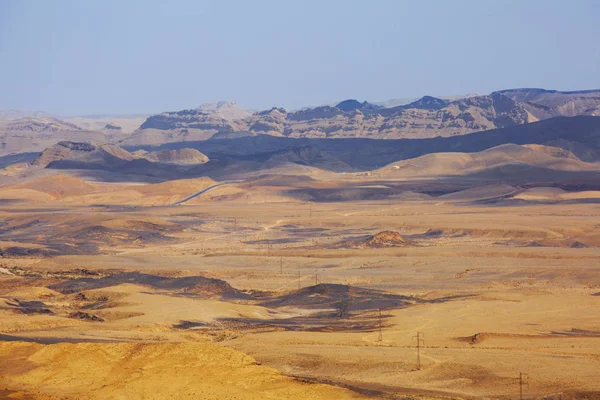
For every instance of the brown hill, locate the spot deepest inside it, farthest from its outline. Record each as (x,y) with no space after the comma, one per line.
(83,155)
(199,370)
(439,164)
(57,186)
(111,158)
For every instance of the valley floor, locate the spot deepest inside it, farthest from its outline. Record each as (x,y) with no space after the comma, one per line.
(494,290)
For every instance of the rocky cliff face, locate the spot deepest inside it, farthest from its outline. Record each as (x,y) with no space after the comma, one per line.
(425,118)
(42,124)
(194,119)
(542,104)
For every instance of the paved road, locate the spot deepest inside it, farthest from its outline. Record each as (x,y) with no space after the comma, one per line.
(206,189)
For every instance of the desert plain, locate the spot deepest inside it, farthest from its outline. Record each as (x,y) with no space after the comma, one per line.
(288,286)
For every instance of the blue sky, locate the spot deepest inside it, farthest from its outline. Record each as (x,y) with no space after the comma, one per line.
(93,57)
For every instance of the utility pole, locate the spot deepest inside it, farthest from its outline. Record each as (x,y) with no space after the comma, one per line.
(299,285)
(316,277)
(522,380)
(420,341)
(380,338)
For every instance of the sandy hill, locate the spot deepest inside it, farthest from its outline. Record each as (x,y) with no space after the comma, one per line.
(109,158)
(57,186)
(175,187)
(440,164)
(557,194)
(202,370)
(83,155)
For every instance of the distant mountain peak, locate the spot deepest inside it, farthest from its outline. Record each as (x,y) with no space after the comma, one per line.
(228,110)
(352,104)
(428,103)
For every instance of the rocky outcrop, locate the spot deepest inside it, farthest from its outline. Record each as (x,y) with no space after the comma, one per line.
(178,157)
(60,151)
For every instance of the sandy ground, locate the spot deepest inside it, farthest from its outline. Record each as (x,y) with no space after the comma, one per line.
(519,296)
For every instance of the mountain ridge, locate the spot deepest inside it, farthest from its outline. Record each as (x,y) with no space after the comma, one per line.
(426,117)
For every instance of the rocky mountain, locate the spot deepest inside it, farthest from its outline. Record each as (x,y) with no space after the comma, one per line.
(225,109)
(542,104)
(427,117)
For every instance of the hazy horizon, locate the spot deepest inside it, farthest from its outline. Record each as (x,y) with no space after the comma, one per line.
(110,57)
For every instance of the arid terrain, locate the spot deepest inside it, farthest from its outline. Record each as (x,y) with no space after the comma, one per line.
(242,263)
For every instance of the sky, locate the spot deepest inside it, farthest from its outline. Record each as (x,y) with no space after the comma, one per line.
(74,57)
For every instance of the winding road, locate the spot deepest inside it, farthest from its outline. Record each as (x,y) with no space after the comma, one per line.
(206,189)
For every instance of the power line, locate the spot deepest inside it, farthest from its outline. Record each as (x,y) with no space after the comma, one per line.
(380,338)
(522,380)
(420,341)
